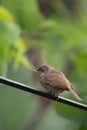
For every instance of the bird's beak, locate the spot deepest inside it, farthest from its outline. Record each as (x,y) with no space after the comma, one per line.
(35,70)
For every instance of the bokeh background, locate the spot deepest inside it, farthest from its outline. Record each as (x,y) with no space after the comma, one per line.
(35,32)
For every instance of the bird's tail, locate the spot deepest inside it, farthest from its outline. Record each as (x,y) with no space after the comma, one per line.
(75,94)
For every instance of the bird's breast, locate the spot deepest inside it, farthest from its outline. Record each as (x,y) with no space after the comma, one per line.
(44,83)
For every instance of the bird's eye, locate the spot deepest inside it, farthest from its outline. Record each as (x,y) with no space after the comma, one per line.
(42,70)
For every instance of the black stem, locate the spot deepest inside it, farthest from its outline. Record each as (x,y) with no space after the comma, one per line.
(41,93)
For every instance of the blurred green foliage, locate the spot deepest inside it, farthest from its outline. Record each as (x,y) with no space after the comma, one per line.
(61,37)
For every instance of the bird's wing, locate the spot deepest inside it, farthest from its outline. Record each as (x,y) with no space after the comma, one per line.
(56,79)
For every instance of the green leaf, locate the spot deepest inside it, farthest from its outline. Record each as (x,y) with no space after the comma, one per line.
(5,15)
(9,34)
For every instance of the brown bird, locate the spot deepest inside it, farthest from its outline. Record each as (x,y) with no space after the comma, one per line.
(54,81)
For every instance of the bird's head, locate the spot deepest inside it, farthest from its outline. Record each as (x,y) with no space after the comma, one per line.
(43,69)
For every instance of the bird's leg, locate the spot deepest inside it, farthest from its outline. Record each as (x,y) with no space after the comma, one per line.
(52,94)
(56,95)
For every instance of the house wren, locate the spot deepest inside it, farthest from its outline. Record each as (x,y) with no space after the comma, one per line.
(54,81)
